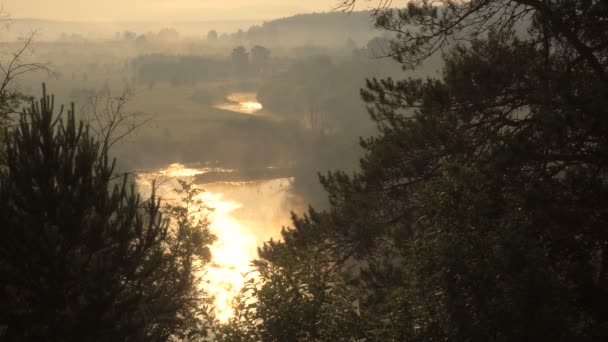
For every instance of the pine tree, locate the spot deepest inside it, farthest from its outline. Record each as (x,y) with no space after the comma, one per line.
(479,211)
(82,256)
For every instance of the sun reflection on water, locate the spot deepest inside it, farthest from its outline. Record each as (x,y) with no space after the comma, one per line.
(245,103)
(244,216)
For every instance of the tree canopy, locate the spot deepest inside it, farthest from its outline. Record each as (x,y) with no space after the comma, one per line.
(82,256)
(478,212)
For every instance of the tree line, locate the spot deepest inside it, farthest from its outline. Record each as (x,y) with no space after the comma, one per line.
(478,212)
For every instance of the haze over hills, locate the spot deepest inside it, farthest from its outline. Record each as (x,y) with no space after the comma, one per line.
(322,28)
(49,30)
(160,10)
(231,170)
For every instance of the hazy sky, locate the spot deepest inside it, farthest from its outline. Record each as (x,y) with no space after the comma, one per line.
(143,10)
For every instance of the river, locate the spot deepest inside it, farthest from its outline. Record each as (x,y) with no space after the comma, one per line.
(245,214)
(241,102)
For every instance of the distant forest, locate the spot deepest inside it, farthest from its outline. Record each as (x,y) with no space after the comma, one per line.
(313,28)
(456,189)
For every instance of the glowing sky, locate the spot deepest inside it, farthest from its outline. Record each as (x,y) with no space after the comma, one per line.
(148,10)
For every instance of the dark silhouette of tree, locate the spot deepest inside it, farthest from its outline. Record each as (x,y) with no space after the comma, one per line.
(82,257)
(478,213)
(295,297)
(182,69)
(240,60)
(129,36)
(13,65)
(168,36)
(260,57)
(577,28)
(212,35)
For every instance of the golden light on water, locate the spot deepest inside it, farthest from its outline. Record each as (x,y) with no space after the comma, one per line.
(245,103)
(245,214)
(179,170)
(231,254)
(251,106)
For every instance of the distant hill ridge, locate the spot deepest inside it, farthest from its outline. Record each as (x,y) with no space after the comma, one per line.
(319,28)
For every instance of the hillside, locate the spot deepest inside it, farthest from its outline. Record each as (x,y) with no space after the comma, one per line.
(321,29)
(325,29)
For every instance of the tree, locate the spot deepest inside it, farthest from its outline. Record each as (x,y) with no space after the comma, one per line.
(212,35)
(478,213)
(82,257)
(260,56)
(240,60)
(129,36)
(294,296)
(576,28)
(15,65)
(168,36)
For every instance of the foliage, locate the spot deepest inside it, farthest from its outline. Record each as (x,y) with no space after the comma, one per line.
(212,35)
(179,70)
(13,65)
(240,61)
(82,257)
(478,213)
(293,296)
(321,95)
(322,29)
(260,57)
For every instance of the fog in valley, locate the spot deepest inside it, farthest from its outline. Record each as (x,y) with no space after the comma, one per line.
(249,114)
(323,170)
(276,99)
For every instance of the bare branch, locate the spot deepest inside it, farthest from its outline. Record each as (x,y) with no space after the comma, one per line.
(108,118)
(17,64)
(13,64)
